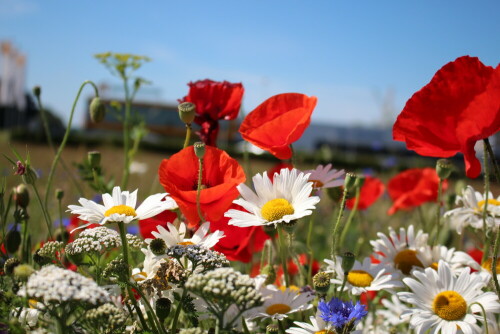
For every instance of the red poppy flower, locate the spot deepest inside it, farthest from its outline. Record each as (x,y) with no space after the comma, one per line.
(239,243)
(370,192)
(146,226)
(221,175)
(278,122)
(214,101)
(278,167)
(413,187)
(460,106)
(294,270)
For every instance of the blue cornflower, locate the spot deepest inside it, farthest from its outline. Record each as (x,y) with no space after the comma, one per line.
(340,314)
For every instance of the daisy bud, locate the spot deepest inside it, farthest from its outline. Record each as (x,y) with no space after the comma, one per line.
(22,195)
(23,272)
(272,328)
(94,158)
(350,181)
(348,259)
(59,194)
(12,241)
(270,272)
(199,149)
(158,246)
(10,265)
(37,91)
(97,110)
(187,111)
(321,282)
(163,306)
(444,168)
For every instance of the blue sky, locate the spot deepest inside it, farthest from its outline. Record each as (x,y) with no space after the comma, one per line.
(354,56)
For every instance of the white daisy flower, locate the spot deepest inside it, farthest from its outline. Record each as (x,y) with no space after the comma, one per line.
(444,303)
(316,325)
(287,197)
(456,259)
(150,266)
(403,251)
(364,277)
(471,212)
(279,304)
(326,177)
(174,236)
(121,207)
(392,312)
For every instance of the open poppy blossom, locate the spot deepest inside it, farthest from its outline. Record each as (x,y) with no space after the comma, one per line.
(370,192)
(147,226)
(413,187)
(221,175)
(214,101)
(278,122)
(460,106)
(240,243)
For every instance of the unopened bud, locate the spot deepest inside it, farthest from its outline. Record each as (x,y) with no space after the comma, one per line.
(444,168)
(350,181)
(163,306)
(12,241)
(22,195)
(97,110)
(23,272)
(30,176)
(94,158)
(348,260)
(199,149)
(187,111)
(360,180)
(37,91)
(59,194)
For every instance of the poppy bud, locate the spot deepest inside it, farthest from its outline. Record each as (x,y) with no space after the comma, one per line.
(163,306)
(360,180)
(59,194)
(187,111)
(9,265)
(22,195)
(12,241)
(37,91)
(94,158)
(321,282)
(199,149)
(444,168)
(23,272)
(158,246)
(348,259)
(350,181)
(270,272)
(97,110)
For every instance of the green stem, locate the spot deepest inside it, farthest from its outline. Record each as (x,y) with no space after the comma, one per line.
(484,316)
(311,251)
(152,315)
(494,263)
(188,135)
(341,292)
(65,138)
(282,246)
(178,312)
(335,236)
(281,327)
(485,207)
(126,134)
(25,247)
(44,211)
(492,158)
(353,212)
(438,211)
(198,190)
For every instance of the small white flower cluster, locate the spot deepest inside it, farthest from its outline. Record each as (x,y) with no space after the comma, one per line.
(100,239)
(227,286)
(50,248)
(134,241)
(193,330)
(53,284)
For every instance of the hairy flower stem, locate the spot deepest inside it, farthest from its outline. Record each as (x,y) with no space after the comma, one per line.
(438,211)
(494,263)
(486,331)
(126,134)
(487,145)
(310,249)
(341,292)
(335,236)
(283,257)
(188,135)
(485,207)
(178,312)
(198,189)
(281,327)
(123,236)
(44,211)
(352,214)
(65,138)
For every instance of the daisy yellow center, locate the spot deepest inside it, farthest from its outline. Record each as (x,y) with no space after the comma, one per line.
(359,278)
(434,266)
(122,210)
(293,288)
(32,303)
(324,331)
(406,259)
(278,309)
(494,202)
(275,209)
(185,243)
(317,183)
(488,265)
(449,305)
(138,277)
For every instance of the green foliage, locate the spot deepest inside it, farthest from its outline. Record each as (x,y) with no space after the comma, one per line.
(122,64)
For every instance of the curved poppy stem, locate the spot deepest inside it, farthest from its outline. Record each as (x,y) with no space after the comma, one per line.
(484,315)
(188,135)
(485,207)
(335,236)
(438,211)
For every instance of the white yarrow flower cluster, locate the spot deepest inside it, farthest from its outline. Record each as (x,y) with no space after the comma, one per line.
(100,239)
(52,284)
(50,248)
